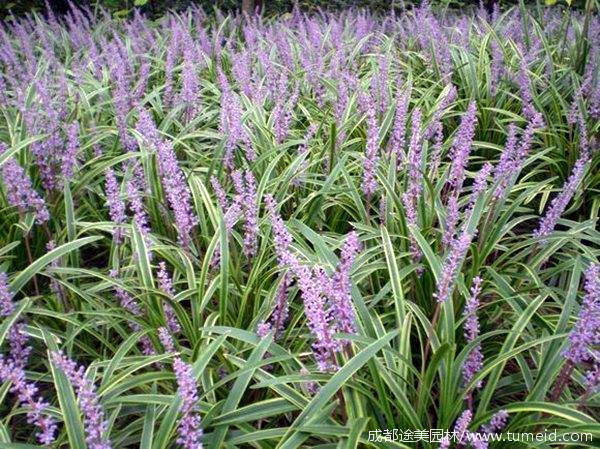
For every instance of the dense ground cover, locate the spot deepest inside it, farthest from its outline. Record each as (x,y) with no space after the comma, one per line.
(291,232)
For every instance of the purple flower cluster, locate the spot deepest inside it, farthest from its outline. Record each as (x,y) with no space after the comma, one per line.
(7,306)
(474,361)
(27,395)
(172,178)
(282,237)
(116,206)
(166,285)
(140,217)
(231,124)
(282,242)
(318,316)
(586,333)
(397,139)
(514,154)
(456,254)
(496,66)
(95,424)
(433,40)
(315,288)
(190,85)
(480,183)
(19,349)
(525,88)
(245,187)
(369,182)
(69,158)
(478,440)
(219,193)
(497,422)
(452,215)
(121,100)
(17,337)
(19,191)
(12,369)
(283,113)
(166,339)
(380,82)
(341,286)
(452,208)
(560,202)
(461,146)
(412,194)
(189,430)
(461,426)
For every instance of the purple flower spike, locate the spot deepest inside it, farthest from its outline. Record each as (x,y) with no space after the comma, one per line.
(451,266)
(69,159)
(166,285)
(7,306)
(497,423)
(514,154)
(13,369)
(318,317)
(313,289)
(369,182)
(166,340)
(586,333)
(19,191)
(342,295)
(27,395)
(461,146)
(95,423)
(410,198)
(282,237)
(474,360)
(245,187)
(480,183)
(231,123)
(397,140)
(189,95)
(116,206)
(435,129)
(250,205)
(188,430)
(525,89)
(220,193)
(560,202)
(172,179)
(263,329)
(231,214)
(462,425)
(19,349)
(140,217)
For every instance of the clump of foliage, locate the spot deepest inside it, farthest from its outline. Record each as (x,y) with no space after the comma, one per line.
(229,230)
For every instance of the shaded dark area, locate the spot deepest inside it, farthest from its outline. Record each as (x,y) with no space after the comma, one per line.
(156,8)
